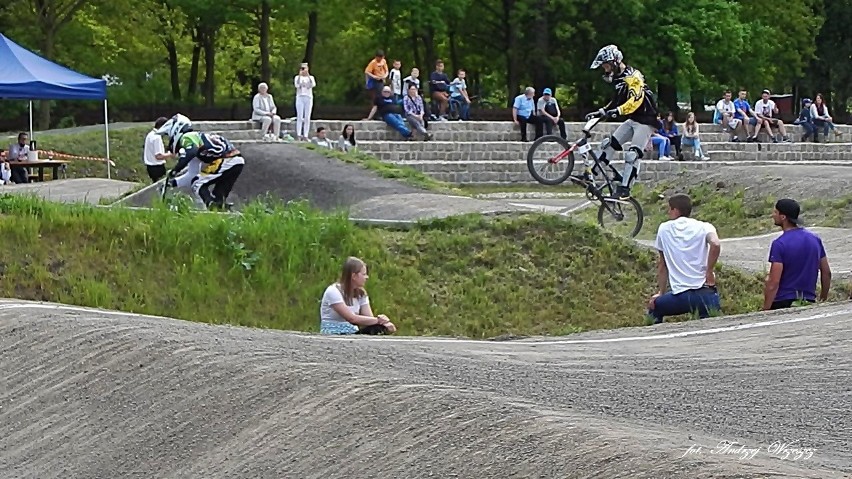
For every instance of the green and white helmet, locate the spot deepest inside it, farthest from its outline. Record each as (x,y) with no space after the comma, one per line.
(175,127)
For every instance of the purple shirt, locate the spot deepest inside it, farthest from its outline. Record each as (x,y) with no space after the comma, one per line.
(800,251)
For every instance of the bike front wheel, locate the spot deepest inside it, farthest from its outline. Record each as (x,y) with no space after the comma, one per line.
(621,217)
(549,160)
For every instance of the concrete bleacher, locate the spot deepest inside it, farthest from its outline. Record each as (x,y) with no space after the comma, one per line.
(491,152)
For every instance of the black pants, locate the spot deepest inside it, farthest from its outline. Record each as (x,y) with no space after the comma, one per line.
(20,175)
(675,140)
(548,126)
(533,120)
(155,172)
(786,303)
(222,187)
(373,329)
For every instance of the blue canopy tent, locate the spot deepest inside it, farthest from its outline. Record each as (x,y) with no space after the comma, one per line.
(27,76)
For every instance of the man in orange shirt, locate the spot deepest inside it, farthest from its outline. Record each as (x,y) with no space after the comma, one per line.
(375,74)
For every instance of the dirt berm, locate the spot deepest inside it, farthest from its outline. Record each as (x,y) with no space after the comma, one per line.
(90,394)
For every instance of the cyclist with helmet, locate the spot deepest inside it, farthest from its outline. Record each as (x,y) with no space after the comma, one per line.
(209,158)
(632,99)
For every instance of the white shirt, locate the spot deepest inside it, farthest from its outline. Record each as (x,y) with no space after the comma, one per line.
(766,108)
(396,81)
(304,85)
(330,321)
(683,242)
(725,107)
(153,146)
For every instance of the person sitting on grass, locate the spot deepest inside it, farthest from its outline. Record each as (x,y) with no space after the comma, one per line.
(345,306)
(347,142)
(688,250)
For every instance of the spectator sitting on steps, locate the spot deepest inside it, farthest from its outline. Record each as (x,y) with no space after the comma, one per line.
(414,111)
(347,142)
(265,111)
(765,109)
(523,109)
(549,113)
(805,120)
(321,139)
(819,113)
(390,113)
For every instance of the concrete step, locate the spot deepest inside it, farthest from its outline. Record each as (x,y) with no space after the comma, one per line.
(468,130)
(501,172)
(517,151)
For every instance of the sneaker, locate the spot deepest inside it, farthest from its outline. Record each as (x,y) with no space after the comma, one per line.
(666,158)
(705,158)
(735,139)
(786,139)
(621,192)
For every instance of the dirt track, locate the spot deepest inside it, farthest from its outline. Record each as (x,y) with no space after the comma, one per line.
(88,394)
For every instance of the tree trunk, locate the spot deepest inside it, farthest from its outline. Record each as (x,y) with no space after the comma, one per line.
(265,13)
(667,97)
(511,38)
(415,50)
(173,68)
(542,76)
(454,56)
(312,35)
(193,69)
(428,38)
(209,39)
(48,46)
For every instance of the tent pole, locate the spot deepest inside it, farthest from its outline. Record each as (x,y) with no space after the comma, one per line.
(31,119)
(106,136)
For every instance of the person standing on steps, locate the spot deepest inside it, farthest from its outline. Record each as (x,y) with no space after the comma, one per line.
(688,251)
(304,83)
(795,259)
(632,99)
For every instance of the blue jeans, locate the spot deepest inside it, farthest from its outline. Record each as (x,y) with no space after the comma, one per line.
(695,143)
(663,143)
(702,300)
(463,107)
(825,125)
(395,121)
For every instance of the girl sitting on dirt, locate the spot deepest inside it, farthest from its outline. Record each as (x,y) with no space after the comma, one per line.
(345,306)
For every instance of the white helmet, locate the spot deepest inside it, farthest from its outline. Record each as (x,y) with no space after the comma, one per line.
(175,127)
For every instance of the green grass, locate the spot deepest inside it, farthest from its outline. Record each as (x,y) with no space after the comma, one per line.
(125,150)
(386,170)
(730,210)
(464,276)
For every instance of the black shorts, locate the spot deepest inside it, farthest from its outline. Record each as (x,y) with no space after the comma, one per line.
(156,172)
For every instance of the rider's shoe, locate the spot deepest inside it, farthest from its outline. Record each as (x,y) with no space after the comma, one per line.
(622,192)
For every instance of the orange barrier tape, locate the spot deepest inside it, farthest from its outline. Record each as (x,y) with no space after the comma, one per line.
(57,154)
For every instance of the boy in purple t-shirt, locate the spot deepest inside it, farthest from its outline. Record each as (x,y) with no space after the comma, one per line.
(796,258)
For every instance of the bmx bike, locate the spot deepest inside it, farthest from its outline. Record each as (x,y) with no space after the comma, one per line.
(544,155)
(171,196)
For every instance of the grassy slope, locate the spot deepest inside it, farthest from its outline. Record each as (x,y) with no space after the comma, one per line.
(465,276)
(125,150)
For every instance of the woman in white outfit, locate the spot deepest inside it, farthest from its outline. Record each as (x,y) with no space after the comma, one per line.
(264,110)
(304,83)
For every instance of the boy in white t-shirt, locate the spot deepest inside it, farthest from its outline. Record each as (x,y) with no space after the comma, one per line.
(395,78)
(688,251)
(154,154)
(765,109)
(726,109)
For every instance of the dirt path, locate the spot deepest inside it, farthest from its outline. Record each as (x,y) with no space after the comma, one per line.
(92,394)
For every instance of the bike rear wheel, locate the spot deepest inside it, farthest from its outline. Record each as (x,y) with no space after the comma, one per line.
(549,154)
(621,217)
